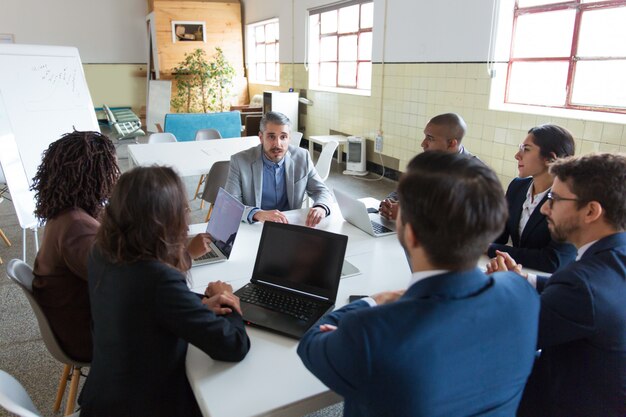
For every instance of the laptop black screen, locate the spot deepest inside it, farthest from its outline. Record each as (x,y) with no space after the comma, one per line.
(300,258)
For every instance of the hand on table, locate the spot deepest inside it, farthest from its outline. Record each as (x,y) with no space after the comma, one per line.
(388,209)
(223,303)
(387,296)
(270,216)
(199,245)
(217,287)
(504,262)
(316,214)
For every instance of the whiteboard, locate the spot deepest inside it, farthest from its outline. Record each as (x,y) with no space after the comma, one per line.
(45,95)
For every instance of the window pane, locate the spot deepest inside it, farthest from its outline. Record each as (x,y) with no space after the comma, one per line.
(270,73)
(260,53)
(603,33)
(600,83)
(367,15)
(260,71)
(530,3)
(364,80)
(591,1)
(365,46)
(329,22)
(270,33)
(328,74)
(259,33)
(328,48)
(349,19)
(541,83)
(270,53)
(347,74)
(347,48)
(544,34)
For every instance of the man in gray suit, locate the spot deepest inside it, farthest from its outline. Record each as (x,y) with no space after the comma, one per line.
(274,176)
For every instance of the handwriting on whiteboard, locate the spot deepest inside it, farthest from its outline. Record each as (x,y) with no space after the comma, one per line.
(62,75)
(53,85)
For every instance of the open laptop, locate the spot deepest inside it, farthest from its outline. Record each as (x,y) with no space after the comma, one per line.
(223,226)
(355,212)
(295,278)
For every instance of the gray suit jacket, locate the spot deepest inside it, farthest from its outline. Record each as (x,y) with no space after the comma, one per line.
(245,179)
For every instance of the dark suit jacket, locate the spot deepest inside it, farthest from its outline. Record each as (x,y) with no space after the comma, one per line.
(534,248)
(582,334)
(455,344)
(143,316)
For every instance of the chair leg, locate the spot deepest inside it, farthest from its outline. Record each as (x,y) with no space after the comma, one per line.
(61,389)
(71,398)
(200,181)
(5,238)
(208,215)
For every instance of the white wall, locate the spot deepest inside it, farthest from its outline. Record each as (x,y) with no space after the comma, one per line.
(417,30)
(109,31)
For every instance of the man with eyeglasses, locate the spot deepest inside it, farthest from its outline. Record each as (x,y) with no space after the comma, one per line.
(581,370)
(442,133)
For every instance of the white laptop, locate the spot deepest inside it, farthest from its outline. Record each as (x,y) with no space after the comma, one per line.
(355,213)
(223,226)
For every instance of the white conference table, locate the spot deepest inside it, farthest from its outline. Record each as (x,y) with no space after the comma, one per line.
(189,158)
(271,380)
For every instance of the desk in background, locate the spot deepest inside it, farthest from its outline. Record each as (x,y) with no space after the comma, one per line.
(189,158)
(323,140)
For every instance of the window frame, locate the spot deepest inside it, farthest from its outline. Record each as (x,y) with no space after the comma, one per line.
(252,43)
(580,8)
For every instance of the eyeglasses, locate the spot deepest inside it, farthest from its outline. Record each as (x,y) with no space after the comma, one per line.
(555,197)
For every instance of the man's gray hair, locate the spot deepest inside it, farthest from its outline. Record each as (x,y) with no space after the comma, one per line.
(276,118)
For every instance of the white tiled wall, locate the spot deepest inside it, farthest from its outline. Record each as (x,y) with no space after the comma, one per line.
(413,93)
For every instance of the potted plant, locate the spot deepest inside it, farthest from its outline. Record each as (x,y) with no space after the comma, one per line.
(203,86)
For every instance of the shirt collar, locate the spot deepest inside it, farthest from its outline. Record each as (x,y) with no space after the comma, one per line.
(420,275)
(269,163)
(583,249)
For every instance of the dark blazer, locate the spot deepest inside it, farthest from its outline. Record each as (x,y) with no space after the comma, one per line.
(534,248)
(582,334)
(456,344)
(143,316)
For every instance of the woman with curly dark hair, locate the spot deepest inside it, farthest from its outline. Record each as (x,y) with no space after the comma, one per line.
(74,180)
(143,311)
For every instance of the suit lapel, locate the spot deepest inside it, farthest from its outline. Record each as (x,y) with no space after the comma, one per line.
(289,182)
(516,213)
(533,221)
(257,178)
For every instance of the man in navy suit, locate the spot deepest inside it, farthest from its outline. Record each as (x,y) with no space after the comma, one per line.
(457,342)
(582,324)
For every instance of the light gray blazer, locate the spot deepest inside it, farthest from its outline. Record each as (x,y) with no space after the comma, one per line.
(245,179)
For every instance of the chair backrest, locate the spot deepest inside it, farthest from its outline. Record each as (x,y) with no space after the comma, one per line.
(296,138)
(323,162)
(20,273)
(215,179)
(253,124)
(14,398)
(162,137)
(208,134)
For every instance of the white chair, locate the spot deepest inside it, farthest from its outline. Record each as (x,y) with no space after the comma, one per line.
(22,275)
(15,399)
(324,161)
(162,137)
(296,138)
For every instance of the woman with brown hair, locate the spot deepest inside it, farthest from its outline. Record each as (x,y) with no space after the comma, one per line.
(75,178)
(143,311)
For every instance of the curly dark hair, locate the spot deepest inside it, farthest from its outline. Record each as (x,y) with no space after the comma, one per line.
(146,219)
(77,171)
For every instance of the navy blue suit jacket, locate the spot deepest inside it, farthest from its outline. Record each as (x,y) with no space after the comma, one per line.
(534,248)
(582,334)
(455,344)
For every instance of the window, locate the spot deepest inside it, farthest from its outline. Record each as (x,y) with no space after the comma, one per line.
(340,47)
(568,54)
(263,59)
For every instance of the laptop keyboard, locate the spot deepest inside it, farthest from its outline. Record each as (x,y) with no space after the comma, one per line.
(277,301)
(209,255)
(379,228)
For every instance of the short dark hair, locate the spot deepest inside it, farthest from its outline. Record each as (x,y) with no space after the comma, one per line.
(553,140)
(78,170)
(455,123)
(597,177)
(455,205)
(276,118)
(146,219)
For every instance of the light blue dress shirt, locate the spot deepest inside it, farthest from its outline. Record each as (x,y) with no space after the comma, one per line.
(274,195)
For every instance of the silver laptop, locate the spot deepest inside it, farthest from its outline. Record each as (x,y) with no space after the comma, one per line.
(223,226)
(355,213)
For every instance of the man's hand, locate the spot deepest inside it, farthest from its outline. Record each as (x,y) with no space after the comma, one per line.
(504,262)
(387,297)
(388,209)
(269,216)
(223,303)
(199,245)
(316,214)
(217,287)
